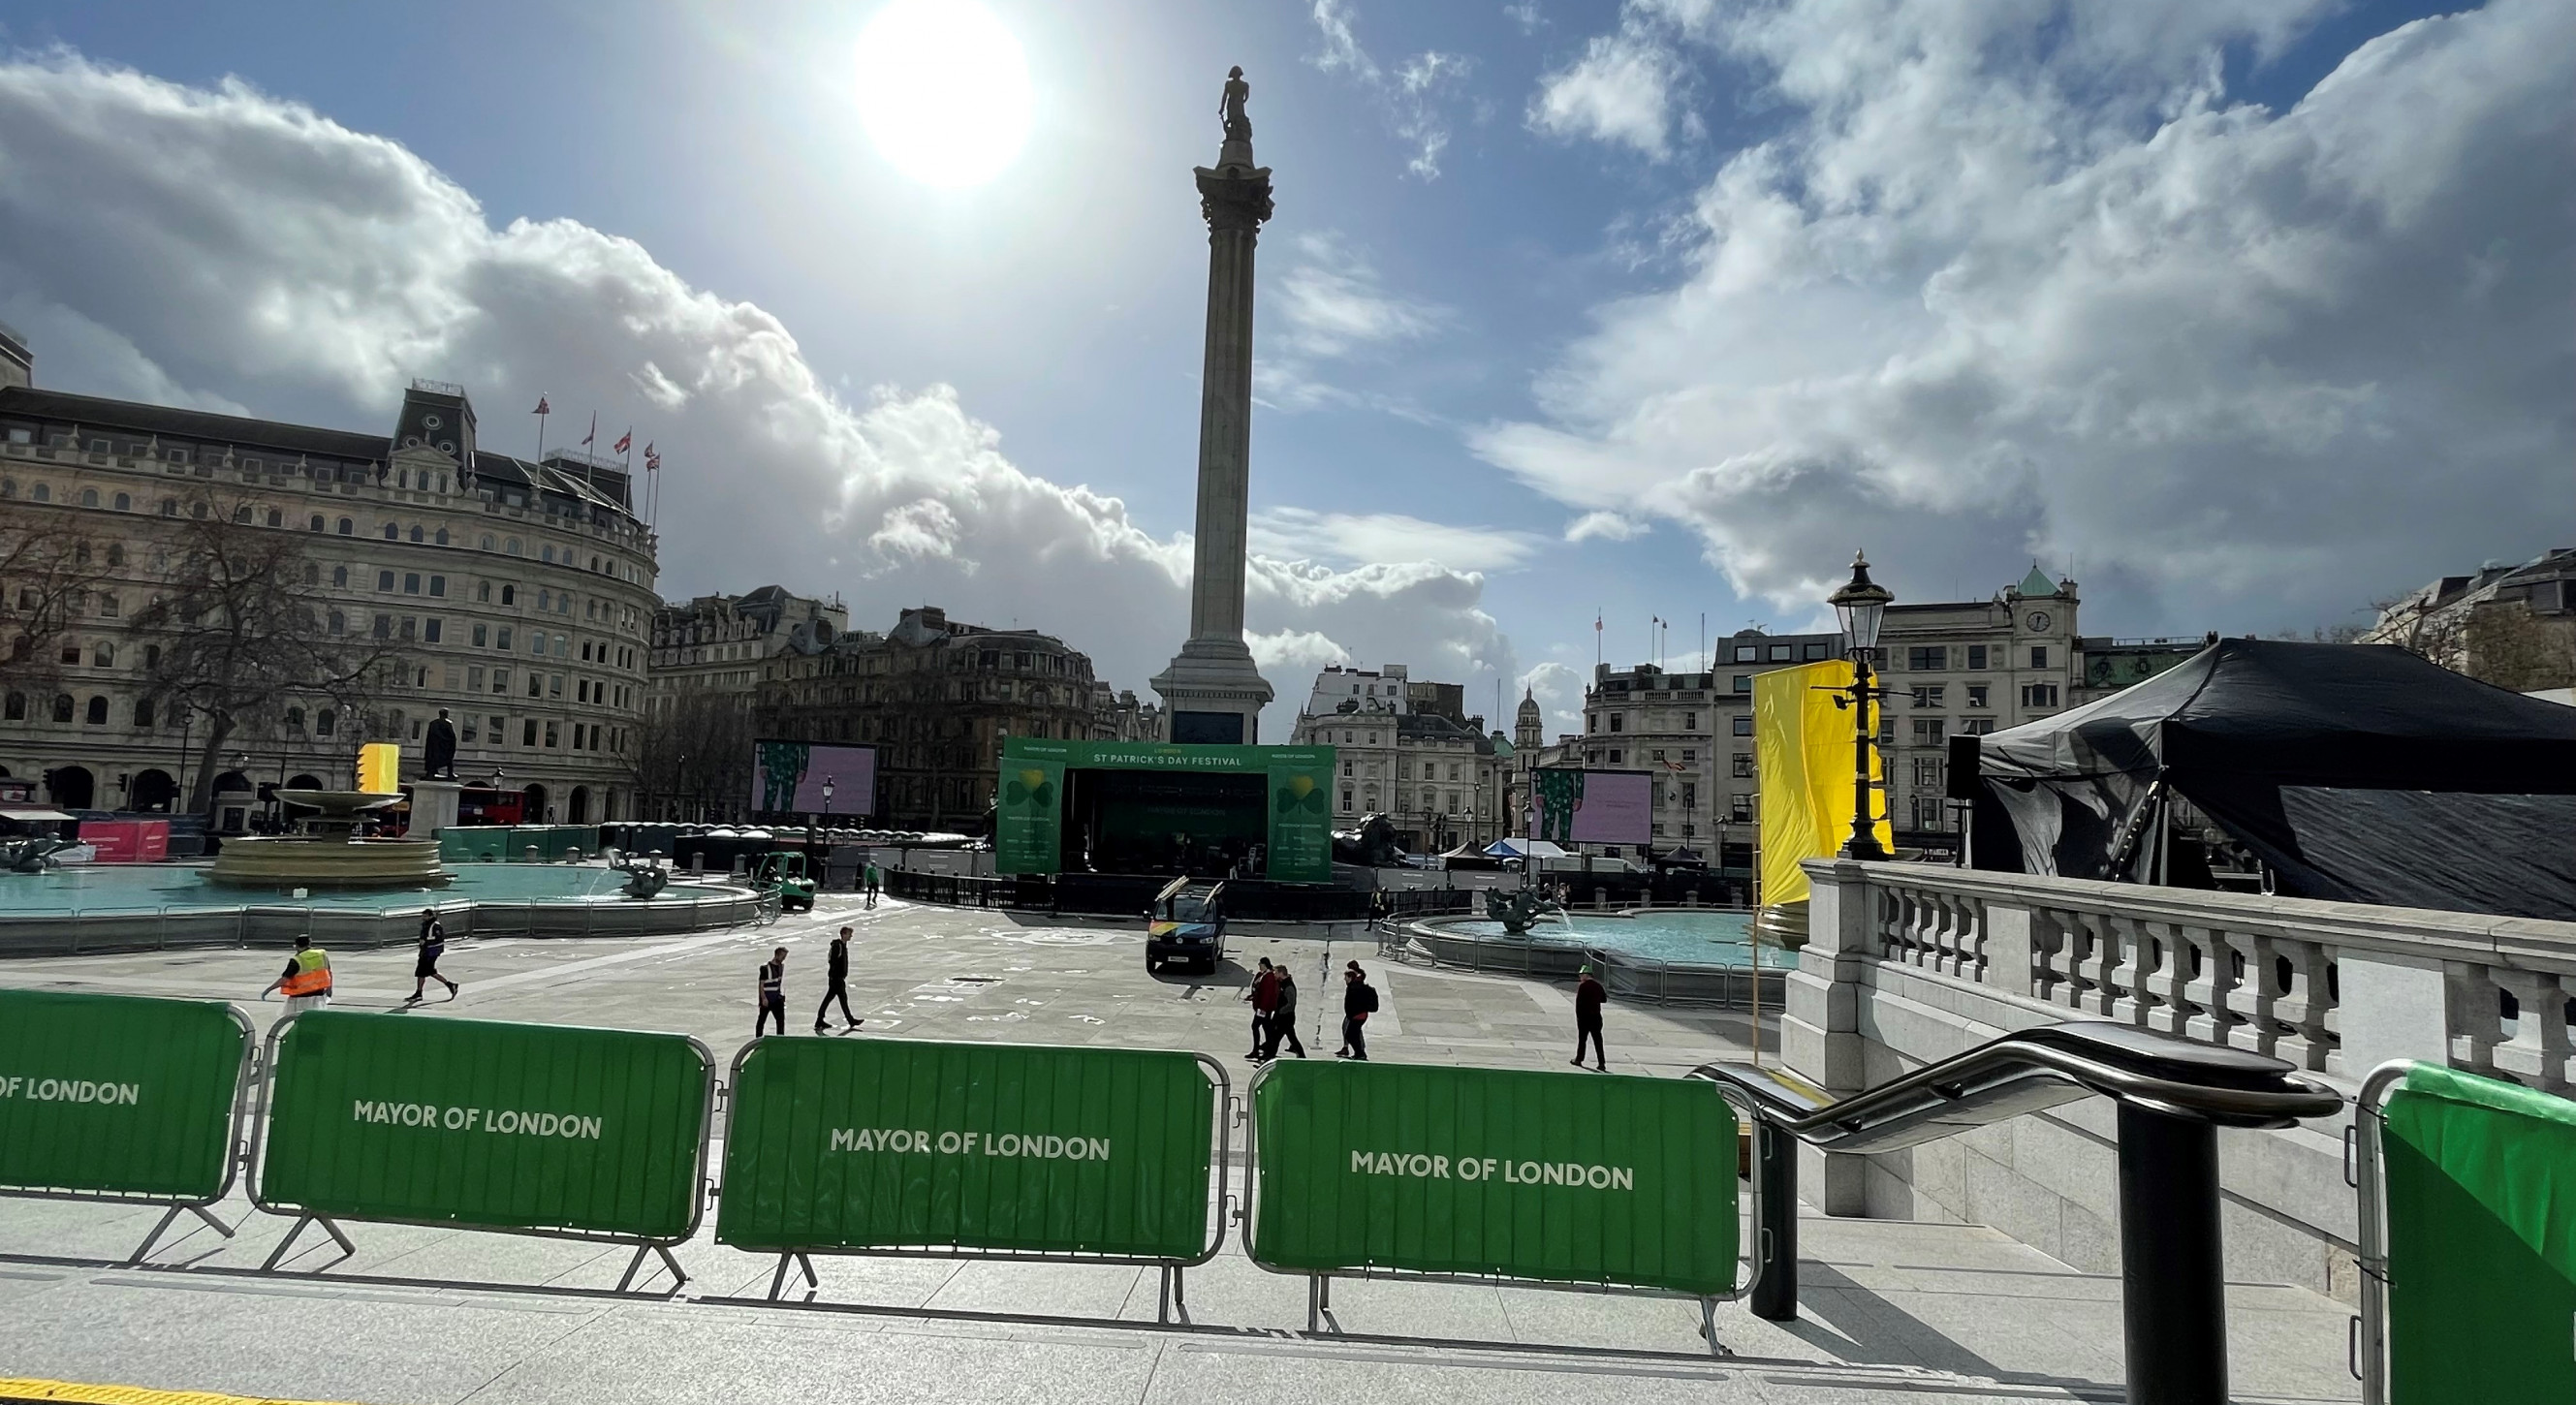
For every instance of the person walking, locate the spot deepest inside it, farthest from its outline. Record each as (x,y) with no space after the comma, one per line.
(875,881)
(1283,1018)
(1359,1001)
(433,945)
(1264,996)
(306,981)
(1588,997)
(836,976)
(773,993)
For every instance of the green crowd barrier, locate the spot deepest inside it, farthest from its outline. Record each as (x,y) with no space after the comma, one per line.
(122,1098)
(1602,1181)
(2470,1252)
(534,1129)
(474,844)
(971,1150)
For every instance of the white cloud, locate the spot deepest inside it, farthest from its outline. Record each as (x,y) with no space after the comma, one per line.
(1606,526)
(1559,691)
(1383,537)
(2001,288)
(1332,302)
(1620,91)
(232,249)
(1413,98)
(1526,15)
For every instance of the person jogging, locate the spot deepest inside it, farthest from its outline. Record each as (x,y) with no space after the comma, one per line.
(836,976)
(1283,1019)
(306,981)
(773,993)
(1588,996)
(1359,1001)
(1264,996)
(433,945)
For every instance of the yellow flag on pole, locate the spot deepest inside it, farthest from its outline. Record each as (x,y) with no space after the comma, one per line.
(1802,745)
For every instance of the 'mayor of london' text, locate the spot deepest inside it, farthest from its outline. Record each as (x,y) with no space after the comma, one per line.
(504,1121)
(1046,1148)
(1432,1166)
(69,1090)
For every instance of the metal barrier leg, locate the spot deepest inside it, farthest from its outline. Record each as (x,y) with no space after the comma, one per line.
(277,1255)
(1775,1168)
(2173,1286)
(1708,1327)
(679,1276)
(167,1220)
(803,1265)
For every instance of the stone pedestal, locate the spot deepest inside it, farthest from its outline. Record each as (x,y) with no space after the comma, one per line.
(433,807)
(1212,692)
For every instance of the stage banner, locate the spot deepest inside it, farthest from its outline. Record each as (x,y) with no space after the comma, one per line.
(858,1144)
(1802,747)
(1028,824)
(121,1095)
(2481,1244)
(1301,815)
(1556,1177)
(479,1123)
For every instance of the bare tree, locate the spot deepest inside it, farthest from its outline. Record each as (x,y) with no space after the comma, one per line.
(2418,625)
(48,578)
(693,759)
(244,637)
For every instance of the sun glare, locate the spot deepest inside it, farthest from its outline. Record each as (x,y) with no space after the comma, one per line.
(943,91)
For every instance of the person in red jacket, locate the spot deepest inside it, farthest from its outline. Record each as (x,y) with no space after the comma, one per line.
(1588,998)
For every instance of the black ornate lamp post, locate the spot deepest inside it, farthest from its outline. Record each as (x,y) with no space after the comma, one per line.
(1861,606)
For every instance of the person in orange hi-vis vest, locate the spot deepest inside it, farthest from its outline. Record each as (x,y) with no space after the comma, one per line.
(306,981)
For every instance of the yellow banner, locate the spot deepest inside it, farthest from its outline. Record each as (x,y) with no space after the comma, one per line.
(380,767)
(1802,745)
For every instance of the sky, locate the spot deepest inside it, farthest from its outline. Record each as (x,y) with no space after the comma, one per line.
(2244,314)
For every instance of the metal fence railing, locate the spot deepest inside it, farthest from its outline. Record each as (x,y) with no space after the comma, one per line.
(1128,895)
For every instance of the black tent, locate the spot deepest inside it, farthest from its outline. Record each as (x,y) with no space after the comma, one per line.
(2355,772)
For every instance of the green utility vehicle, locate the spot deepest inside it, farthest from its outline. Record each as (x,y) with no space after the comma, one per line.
(784,869)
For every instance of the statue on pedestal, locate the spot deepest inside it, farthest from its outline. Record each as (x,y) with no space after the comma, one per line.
(441,744)
(1518,911)
(1237,92)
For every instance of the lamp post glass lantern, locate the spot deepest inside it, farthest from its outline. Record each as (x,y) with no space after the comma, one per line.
(1861,607)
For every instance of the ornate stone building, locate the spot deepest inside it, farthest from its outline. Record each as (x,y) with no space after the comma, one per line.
(1405,749)
(937,698)
(517,593)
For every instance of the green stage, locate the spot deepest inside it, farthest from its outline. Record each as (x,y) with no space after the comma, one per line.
(1149,807)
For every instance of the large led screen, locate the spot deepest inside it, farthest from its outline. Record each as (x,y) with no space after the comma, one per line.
(1569,806)
(810,779)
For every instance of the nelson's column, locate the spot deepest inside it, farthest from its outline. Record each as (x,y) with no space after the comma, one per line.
(1212,692)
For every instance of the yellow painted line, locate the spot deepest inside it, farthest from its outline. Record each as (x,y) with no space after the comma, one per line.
(12,1391)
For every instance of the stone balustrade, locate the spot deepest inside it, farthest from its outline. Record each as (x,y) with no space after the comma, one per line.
(2336,988)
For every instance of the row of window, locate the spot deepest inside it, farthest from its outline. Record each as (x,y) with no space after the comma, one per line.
(251,467)
(1937,695)
(1810,652)
(1973,658)
(544,733)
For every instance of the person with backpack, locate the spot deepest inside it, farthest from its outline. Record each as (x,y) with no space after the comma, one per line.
(1359,1001)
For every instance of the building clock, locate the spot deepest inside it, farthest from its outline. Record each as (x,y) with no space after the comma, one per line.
(2038,621)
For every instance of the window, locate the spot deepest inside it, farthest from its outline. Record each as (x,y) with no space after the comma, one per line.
(169,507)
(1927,731)
(1690,721)
(125,502)
(384,627)
(44,493)
(411,582)
(537,642)
(554,685)
(442,532)
(89,497)
(1614,756)
(96,715)
(1977,695)
(1886,729)
(511,546)
(500,681)
(509,595)
(295,719)
(1815,651)
(339,623)
(142,712)
(438,586)
(487,541)
(1346,794)
(392,532)
(482,636)
(551,735)
(16,709)
(528,732)
(467,730)
(347,527)
(1927,812)
(1743,726)
(1743,683)
(563,648)
(1931,695)
(1976,658)
(1928,658)
(536,684)
(104,656)
(1618,721)
(416,534)
(410,628)
(1739,807)
(1690,794)
(1747,653)
(2039,695)
(384,580)
(340,576)
(1928,771)
(1743,765)
(108,604)
(276,518)
(62,707)
(502,640)
(1780,653)
(545,600)
(1976,726)
(2039,656)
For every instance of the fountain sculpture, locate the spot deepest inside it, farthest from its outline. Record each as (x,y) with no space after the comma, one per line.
(334,847)
(1519,910)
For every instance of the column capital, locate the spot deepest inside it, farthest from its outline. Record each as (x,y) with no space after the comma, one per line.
(1233,201)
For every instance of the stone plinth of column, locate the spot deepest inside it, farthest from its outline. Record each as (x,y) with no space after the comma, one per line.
(1212,692)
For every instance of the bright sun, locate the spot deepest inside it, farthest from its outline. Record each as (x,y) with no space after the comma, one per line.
(943,90)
